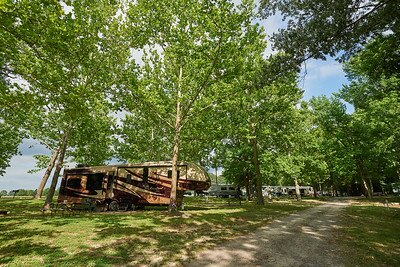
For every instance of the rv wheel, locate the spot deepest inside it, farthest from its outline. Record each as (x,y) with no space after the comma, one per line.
(113,206)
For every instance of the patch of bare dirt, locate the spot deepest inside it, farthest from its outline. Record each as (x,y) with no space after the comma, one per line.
(301,239)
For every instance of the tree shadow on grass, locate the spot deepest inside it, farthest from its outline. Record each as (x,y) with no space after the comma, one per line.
(193,208)
(27,248)
(21,207)
(140,237)
(123,252)
(165,237)
(17,234)
(18,241)
(371,234)
(133,249)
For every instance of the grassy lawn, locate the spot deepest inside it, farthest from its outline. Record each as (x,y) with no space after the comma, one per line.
(371,233)
(149,237)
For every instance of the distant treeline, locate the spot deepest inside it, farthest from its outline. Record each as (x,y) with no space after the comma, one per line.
(24,192)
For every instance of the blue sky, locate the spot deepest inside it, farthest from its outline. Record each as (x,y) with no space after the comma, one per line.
(322,78)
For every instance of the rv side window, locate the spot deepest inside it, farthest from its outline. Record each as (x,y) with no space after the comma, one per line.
(94,181)
(231,188)
(223,188)
(170,174)
(74,182)
(146,174)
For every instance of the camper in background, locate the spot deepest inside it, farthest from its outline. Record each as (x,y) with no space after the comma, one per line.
(304,190)
(224,190)
(276,191)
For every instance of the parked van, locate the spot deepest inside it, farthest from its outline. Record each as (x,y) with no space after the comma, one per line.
(131,185)
(224,191)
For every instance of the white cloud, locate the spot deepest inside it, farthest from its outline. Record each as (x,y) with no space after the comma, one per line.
(17,176)
(330,70)
(32,147)
(321,78)
(315,70)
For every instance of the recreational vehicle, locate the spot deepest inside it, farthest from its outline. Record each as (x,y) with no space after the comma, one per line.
(224,191)
(291,190)
(270,190)
(129,186)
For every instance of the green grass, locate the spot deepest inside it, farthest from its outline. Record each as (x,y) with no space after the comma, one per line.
(21,205)
(377,200)
(149,237)
(371,235)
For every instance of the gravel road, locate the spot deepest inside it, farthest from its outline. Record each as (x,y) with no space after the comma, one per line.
(301,239)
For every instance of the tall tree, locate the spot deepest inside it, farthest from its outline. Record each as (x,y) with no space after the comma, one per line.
(318,28)
(333,123)
(251,119)
(10,135)
(65,54)
(290,138)
(315,166)
(192,49)
(374,75)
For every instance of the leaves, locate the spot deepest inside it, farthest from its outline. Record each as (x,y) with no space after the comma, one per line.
(9,141)
(203,87)
(318,28)
(41,163)
(65,58)
(192,54)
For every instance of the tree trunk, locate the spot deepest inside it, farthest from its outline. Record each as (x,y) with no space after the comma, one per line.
(371,187)
(57,171)
(365,178)
(315,190)
(174,179)
(368,191)
(175,153)
(298,195)
(247,185)
(256,162)
(296,182)
(46,175)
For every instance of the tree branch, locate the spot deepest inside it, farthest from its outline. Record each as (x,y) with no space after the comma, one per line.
(204,83)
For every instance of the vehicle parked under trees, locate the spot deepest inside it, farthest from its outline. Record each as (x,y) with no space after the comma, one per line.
(129,186)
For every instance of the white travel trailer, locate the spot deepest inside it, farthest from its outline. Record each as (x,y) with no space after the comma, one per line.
(286,190)
(291,190)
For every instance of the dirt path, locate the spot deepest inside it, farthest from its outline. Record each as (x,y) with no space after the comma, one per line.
(301,239)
